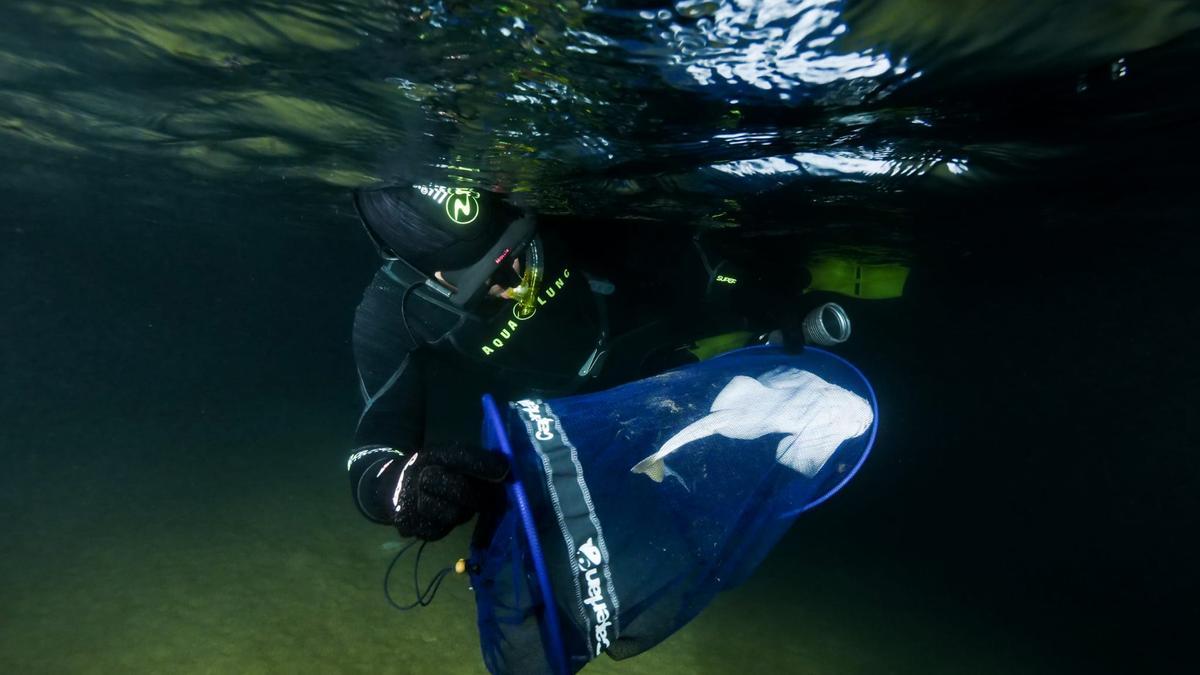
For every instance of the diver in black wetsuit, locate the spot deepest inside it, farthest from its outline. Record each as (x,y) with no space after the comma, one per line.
(472,298)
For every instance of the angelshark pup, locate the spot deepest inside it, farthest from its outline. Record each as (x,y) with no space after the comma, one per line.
(816,417)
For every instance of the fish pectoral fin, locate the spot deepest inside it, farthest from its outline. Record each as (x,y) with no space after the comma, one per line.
(785,446)
(806,457)
(652,466)
(741,392)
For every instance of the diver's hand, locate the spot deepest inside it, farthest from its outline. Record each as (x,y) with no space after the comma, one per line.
(437,489)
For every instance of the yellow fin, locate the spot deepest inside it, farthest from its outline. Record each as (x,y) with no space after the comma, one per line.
(652,468)
(849,277)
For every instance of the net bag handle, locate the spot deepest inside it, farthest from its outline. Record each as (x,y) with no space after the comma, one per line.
(498,439)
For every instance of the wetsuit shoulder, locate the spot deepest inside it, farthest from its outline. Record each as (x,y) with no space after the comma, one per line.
(392,329)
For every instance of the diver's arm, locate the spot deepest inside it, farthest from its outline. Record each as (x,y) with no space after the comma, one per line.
(391,427)
(423,491)
(394,477)
(391,374)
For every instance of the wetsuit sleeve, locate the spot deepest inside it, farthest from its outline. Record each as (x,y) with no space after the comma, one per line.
(391,367)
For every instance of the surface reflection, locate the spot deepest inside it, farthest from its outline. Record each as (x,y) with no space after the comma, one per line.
(556,99)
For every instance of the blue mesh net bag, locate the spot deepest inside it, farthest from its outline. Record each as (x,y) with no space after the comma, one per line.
(629,509)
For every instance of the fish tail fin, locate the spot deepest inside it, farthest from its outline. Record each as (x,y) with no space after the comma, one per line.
(653,467)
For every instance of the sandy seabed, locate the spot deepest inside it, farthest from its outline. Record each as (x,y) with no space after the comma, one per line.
(257,566)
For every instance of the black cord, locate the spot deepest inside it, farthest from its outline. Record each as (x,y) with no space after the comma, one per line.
(424,598)
(404,316)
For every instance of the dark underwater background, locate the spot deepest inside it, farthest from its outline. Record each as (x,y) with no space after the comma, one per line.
(180,264)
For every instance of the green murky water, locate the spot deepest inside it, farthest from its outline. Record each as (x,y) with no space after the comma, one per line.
(179,268)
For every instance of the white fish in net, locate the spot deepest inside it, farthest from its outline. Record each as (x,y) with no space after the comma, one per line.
(815,415)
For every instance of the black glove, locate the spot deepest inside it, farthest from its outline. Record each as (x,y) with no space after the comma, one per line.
(429,492)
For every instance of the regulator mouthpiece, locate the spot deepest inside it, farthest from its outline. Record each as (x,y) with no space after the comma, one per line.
(827,325)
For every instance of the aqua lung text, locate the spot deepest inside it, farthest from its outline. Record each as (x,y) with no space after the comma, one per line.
(520,314)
